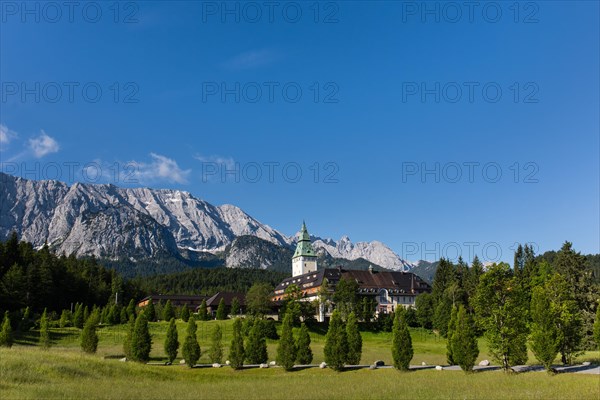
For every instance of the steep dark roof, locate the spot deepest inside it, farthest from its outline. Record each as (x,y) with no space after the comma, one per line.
(368,281)
(227,297)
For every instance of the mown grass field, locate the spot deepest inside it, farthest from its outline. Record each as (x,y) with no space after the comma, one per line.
(27,371)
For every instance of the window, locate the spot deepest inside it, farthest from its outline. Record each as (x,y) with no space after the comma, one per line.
(383,296)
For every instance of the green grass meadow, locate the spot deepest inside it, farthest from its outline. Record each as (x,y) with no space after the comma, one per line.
(63,371)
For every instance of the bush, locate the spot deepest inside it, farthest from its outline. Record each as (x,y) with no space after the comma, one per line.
(65,319)
(221,310)
(185,313)
(464,342)
(129,336)
(203,312)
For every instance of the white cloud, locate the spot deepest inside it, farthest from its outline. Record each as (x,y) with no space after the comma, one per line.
(43,145)
(251,59)
(6,135)
(161,168)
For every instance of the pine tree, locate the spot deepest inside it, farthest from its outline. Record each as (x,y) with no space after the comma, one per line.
(171,342)
(463,341)
(203,311)
(215,353)
(597,326)
(235,307)
(141,341)
(64,319)
(86,313)
(354,340)
(304,355)
(129,337)
(191,349)
(221,311)
(256,345)
(236,350)
(123,316)
(6,335)
(286,349)
(425,310)
(131,309)
(185,313)
(168,312)
(402,350)
(336,343)
(451,329)
(442,315)
(150,312)
(89,337)
(44,331)
(502,311)
(25,324)
(78,316)
(544,333)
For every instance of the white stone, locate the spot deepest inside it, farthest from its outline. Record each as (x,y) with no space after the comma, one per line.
(264,366)
(322,365)
(439,368)
(216,365)
(484,363)
(182,362)
(272,363)
(423,363)
(123,359)
(586,363)
(227,362)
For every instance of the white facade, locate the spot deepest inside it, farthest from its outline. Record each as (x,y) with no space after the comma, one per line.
(303,265)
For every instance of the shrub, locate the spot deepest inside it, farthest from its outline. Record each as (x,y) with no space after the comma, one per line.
(171,342)
(191,349)
(336,343)
(354,340)
(215,353)
(141,341)
(236,350)
(286,350)
(304,354)
(6,335)
(402,350)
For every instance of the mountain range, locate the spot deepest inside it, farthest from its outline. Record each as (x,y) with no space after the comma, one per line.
(109,222)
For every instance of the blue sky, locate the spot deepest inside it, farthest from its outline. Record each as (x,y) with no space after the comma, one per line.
(361,98)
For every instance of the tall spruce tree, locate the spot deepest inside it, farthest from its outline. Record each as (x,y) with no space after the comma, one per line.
(64,319)
(191,349)
(6,335)
(203,311)
(304,354)
(168,311)
(425,310)
(256,345)
(141,341)
(544,333)
(150,311)
(44,330)
(463,341)
(26,321)
(354,340)
(89,337)
(131,309)
(128,337)
(78,319)
(402,349)
(286,349)
(172,341)
(185,312)
(236,350)
(235,307)
(221,310)
(451,330)
(215,353)
(336,343)
(502,311)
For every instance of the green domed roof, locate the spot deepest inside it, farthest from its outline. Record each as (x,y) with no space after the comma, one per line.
(304,248)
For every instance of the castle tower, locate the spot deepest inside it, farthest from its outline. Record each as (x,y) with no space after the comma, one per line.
(305,258)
